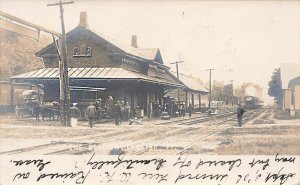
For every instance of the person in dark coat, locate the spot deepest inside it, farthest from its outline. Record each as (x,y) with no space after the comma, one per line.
(99,109)
(122,116)
(240,111)
(190,109)
(91,113)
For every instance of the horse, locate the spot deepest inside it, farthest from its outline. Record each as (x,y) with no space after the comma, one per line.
(50,110)
(34,106)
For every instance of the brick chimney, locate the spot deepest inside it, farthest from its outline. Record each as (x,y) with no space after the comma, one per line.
(134,41)
(83,19)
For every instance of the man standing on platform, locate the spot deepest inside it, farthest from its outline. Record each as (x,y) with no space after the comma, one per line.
(74,114)
(150,109)
(127,111)
(91,114)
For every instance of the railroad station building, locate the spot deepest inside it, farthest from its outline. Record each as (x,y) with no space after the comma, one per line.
(95,61)
(127,73)
(290,77)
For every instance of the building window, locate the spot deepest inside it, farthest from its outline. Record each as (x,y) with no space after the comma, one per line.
(88,51)
(82,51)
(130,65)
(76,51)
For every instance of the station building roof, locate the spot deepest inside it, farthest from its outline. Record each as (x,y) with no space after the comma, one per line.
(146,54)
(94,73)
(191,83)
(294,82)
(288,71)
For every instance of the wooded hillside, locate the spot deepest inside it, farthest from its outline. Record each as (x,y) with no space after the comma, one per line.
(17,53)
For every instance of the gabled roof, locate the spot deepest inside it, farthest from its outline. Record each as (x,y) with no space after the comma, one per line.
(146,54)
(191,83)
(126,48)
(288,71)
(294,82)
(149,53)
(76,32)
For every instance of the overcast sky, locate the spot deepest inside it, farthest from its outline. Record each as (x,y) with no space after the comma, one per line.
(242,41)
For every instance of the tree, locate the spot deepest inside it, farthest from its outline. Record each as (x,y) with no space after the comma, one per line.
(275,87)
(17,53)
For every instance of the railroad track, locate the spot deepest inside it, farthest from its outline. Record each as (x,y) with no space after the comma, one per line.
(232,120)
(78,141)
(248,116)
(77,146)
(197,119)
(82,148)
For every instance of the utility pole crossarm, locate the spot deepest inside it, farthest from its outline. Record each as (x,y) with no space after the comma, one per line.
(177,62)
(177,71)
(55,4)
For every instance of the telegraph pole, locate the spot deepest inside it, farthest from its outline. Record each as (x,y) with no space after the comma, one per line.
(209,102)
(63,70)
(177,73)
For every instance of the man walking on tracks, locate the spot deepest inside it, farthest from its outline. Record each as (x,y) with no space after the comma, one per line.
(91,113)
(240,111)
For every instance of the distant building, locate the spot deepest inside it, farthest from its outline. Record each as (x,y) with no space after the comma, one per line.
(290,76)
(294,87)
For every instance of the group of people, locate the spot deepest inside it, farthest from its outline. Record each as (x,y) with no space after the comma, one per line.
(121,111)
(154,109)
(173,109)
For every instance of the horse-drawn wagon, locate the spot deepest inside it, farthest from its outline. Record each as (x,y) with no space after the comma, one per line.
(34,106)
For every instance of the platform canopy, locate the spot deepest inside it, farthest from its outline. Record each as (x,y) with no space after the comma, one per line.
(191,83)
(93,74)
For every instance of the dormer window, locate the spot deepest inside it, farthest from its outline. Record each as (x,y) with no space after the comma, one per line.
(82,51)
(88,51)
(76,51)
(130,65)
